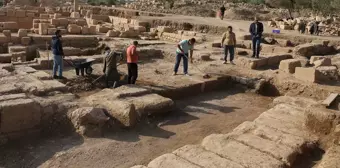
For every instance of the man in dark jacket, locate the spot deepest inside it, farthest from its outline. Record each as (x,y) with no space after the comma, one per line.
(222,10)
(256,30)
(58,55)
(110,67)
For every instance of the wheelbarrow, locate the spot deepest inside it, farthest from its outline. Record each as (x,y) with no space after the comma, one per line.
(82,66)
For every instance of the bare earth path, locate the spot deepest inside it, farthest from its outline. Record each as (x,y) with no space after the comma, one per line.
(196,118)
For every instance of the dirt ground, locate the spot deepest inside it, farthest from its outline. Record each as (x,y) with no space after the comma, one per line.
(195,118)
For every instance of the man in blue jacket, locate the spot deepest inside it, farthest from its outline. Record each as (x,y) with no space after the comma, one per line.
(256,30)
(58,55)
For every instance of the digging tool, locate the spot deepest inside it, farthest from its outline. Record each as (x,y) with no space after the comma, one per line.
(205,75)
(48,56)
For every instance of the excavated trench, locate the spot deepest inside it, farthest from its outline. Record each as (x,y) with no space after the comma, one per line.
(200,93)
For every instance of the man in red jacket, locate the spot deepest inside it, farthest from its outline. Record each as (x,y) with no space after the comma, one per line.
(132,59)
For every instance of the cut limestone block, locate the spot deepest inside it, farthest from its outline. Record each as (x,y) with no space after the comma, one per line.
(127,91)
(113,33)
(310,49)
(7,33)
(10,12)
(75,15)
(88,121)
(74,29)
(196,154)
(43,28)
(19,114)
(10,26)
(315,58)
(170,161)
(122,111)
(289,65)
(5,58)
(85,30)
(41,75)
(321,120)
(328,73)
(330,99)
(22,33)
(25,41)
(323,62)
(152,104)
(239,153)
(306,74)
(331,158)
(20,13)
(301,102)
(279,151)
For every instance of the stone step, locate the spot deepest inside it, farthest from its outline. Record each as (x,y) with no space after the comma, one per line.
(239,152)
(300,102)
(196,154)
(171,161)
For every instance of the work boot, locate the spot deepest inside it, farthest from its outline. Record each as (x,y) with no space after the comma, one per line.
(174,74)
(55,77)
(225,62)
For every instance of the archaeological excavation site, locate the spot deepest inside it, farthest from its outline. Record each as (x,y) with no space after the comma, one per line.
(278,110)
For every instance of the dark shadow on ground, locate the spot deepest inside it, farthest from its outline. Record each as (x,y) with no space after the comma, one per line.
(34,152)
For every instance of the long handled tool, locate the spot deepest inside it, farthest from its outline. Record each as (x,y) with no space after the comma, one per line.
(205,75)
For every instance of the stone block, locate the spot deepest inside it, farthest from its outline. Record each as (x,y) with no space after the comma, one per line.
(19,114)
(165,29)
(63,22)
(74,29)
(22,33)
(81,22)
(323,42)
(55,22)
(10,26)
(289,65)
(75,15)
(315,58)
(323,62)
(205,57)
(217,45)
(140,29)
(20,13)
(36,25)
(171,161)
(43,28)
(92,29)
(85,30)
(5,58)
(306,74)
(26,41)
(310,49)
(14,49)
(113,33)
(328,73)
(279,151)
(41,75)
(30,15)
(139,166)
(44,16)
(10,12)
(152,104)
(7,33)
(88,121)
(102,29)
(196,154)
(239,153)
(51,31)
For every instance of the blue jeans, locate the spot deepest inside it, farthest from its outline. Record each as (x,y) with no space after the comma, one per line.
(231,50)
(179,56)
(256,46)
(57,64)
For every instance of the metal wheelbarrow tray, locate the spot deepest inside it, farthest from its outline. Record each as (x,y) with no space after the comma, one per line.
(82,66)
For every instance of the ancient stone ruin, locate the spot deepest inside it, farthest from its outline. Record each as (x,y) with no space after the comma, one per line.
(279,110)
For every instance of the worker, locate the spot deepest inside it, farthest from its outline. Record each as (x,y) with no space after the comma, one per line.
(222,10)
(132,59)
(110,67)
(182,51)
(229,43)
(58,55)
(256,30)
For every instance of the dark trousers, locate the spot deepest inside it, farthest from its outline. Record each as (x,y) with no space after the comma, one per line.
(111,76)
(132,73)
(178,61)
(231,50)
(256,46)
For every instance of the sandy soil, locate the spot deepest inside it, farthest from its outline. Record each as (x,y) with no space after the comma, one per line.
(195,118)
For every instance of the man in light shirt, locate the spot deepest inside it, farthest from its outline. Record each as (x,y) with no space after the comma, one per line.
(182,51)
(256,30)
(229,43)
